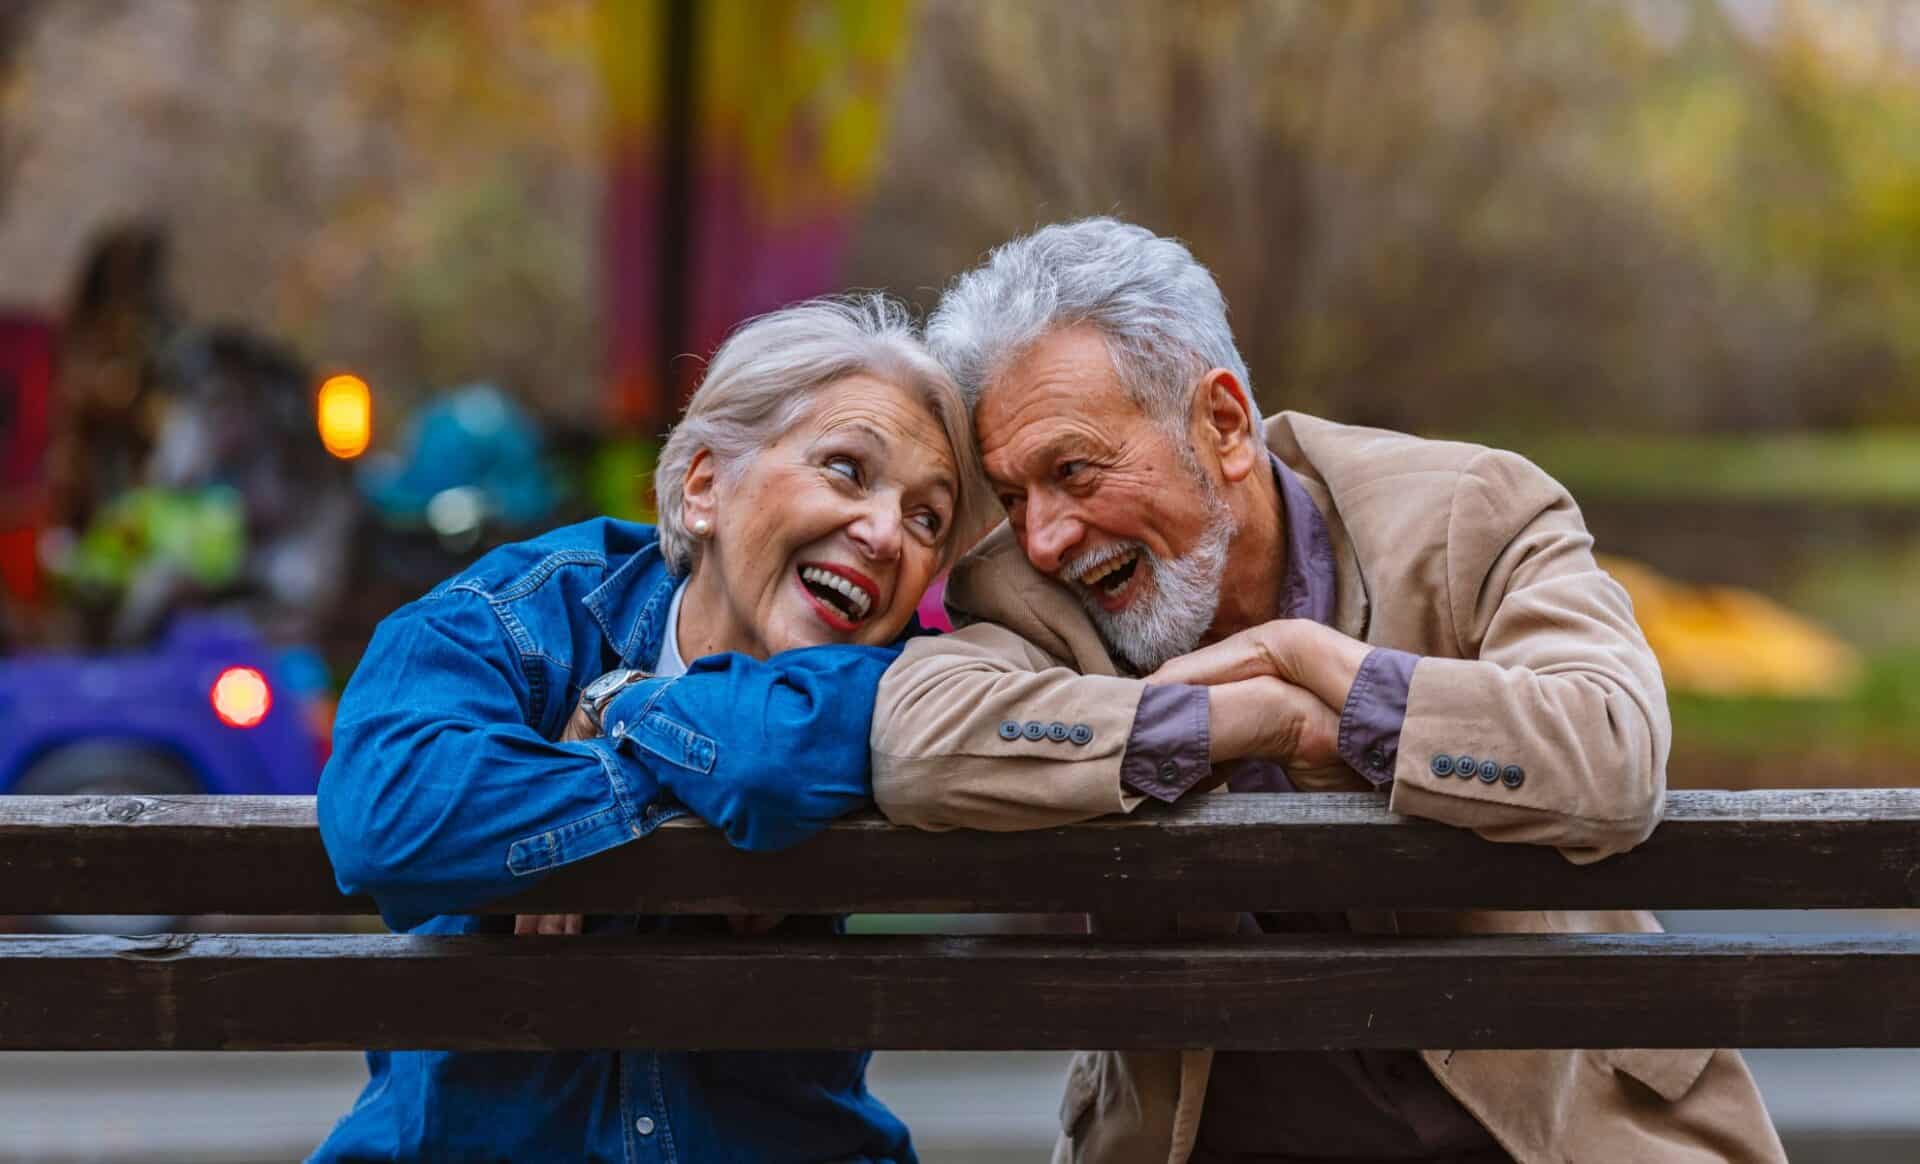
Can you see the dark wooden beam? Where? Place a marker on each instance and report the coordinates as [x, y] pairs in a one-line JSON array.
[[278, 992], [1715, 850]]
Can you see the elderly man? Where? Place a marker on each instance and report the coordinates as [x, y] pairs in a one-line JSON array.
[[1183, 594]]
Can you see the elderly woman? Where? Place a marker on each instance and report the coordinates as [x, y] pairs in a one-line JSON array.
[[568, 694]]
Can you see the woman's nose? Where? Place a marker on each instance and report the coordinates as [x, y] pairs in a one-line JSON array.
[[878, 532]]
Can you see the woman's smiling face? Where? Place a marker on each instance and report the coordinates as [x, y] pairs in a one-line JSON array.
[[829, 535]]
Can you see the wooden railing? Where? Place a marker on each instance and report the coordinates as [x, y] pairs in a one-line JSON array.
[[262, 856]]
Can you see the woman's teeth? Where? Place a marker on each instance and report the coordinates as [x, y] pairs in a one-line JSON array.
[[855, 602]]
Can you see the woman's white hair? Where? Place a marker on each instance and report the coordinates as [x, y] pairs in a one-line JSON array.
[[1158, 308], [763, 380]]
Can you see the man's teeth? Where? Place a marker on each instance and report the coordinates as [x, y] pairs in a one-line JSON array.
[[857, 598], [1092, 577]]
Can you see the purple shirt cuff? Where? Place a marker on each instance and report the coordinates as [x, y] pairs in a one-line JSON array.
[[1376, 711], [1168, 747]]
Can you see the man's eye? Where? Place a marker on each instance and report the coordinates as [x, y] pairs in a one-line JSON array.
[[1068, 469], [845, 466]]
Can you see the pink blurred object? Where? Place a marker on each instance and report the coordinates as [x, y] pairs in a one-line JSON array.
[[933, 606]]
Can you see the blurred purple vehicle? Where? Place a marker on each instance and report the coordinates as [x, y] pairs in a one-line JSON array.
[[210, 708]]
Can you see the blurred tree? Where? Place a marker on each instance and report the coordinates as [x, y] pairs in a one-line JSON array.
[[407, 190], [16, 22], [1446, 216], [1640, 214]]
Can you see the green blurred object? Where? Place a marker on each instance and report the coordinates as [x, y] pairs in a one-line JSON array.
[[1878, 467], [620, 478], [1882, 715], [202, 532]]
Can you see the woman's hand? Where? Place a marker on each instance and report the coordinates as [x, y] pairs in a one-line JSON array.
[[547, 923], [579, 727]]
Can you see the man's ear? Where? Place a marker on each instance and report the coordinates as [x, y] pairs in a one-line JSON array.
[[1223, 424], [699, 491]]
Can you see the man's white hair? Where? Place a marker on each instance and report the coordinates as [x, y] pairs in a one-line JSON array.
[[1158, 308], [764, 378]]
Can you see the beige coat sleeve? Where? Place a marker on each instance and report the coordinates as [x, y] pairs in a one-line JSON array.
[[1558, 704], [981, 729]]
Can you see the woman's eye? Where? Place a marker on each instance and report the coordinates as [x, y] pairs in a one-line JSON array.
[[845, 466], [933, 523]]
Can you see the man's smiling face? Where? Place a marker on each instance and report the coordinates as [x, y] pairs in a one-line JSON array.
[[1104, 498]]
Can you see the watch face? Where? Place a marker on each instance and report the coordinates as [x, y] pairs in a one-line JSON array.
[[605, 685]]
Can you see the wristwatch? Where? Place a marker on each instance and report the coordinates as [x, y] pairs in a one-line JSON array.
[[595, 696]]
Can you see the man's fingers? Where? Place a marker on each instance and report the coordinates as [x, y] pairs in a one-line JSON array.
[[1271, 718], [1227, 661], [1315, 727]]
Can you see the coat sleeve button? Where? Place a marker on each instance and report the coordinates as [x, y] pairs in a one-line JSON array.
[[1514, 776], [1466, 766], [1035, 730], [1489, 771], [1442, 764], [1080, 734], [1057, 732], [1009, 729]]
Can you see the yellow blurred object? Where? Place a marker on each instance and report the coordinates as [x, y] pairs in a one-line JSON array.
[[1721, 640], [346, 416]]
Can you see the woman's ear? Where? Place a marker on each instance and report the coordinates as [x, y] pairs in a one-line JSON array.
[[699, 492], [1223, 424]]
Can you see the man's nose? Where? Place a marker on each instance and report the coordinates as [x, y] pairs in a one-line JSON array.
[[1049, 534]]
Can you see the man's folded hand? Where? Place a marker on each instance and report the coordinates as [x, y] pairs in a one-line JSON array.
[[1271, 719]]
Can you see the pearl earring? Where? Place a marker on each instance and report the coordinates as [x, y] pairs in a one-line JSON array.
[[702, 527]]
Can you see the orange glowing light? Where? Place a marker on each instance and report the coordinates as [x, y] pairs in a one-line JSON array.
[[241, 697], [346, 416]]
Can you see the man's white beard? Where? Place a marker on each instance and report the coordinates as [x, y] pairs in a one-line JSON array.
[[1169, 621]]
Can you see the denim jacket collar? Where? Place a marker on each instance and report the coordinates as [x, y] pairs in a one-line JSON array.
[[631, 606]]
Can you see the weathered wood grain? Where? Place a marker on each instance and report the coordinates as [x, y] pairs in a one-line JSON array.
[[262, 855], [1600, 991]]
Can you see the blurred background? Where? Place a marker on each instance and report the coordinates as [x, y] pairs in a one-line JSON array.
[[304, 303]]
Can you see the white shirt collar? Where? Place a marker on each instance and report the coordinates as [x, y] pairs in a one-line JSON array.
[[670, 663]]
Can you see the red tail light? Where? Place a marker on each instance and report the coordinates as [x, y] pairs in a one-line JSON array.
[[241, 697]]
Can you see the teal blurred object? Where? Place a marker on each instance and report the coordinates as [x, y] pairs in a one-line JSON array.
[[471, 457]]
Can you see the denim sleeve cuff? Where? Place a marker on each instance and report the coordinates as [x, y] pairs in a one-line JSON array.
[[1376, 710], [1168, 747]]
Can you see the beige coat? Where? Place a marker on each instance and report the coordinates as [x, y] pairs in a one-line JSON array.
[[1480, 563]]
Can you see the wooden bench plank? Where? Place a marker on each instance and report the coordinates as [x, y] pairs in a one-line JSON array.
[[1857, 848], [313, 992]]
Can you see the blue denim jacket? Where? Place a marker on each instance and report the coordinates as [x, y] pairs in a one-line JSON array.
[[447, 789]]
